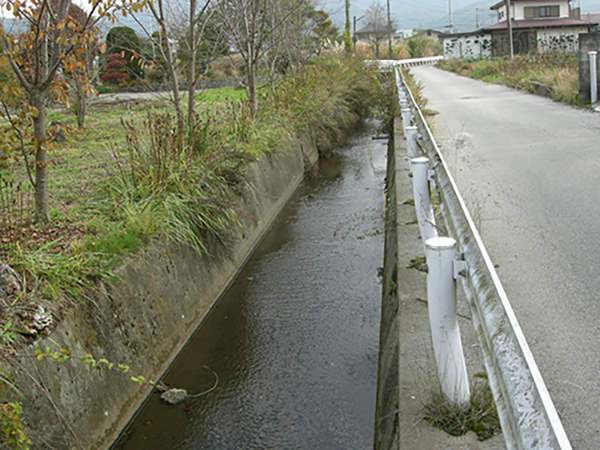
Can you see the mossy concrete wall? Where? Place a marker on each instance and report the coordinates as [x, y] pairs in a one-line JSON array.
[[588, 42], [145, 319], [387, 431]]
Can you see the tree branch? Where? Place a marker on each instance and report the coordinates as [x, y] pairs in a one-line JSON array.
[[20, 135]]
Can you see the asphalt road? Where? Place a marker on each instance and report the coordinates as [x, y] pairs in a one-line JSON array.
[[529, 170]]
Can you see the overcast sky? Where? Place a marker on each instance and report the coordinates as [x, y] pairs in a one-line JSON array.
[[409, 14], [432, 13]]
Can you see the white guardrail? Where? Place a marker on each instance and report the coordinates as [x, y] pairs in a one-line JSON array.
[[430, 61], [389, 64], [528, 416]]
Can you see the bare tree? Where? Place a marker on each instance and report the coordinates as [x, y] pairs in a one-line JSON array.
[[378, 28], [287, 45], [187, 40], [202, 40], [160, 13], [38, 57], [256, 28]]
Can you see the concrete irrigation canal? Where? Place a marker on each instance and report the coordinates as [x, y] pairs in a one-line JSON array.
[[294, 340]]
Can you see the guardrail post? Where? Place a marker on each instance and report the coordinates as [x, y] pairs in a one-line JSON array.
[[593, 77], [406, 117], [443, 319], [422, 195], [411, 140], [403, 100]]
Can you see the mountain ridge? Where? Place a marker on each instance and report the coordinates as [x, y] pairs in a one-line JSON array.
[[432, 14]]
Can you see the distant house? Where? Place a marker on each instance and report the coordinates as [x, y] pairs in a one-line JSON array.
[[373, 33], [476, 44], [591, 18], [537, 25], [433, 34], [404, 34]]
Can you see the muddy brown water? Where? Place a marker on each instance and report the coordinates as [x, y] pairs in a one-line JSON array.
[[295, 339]]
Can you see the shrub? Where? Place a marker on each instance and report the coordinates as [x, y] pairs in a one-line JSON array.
[[124, 41], [115, 71]]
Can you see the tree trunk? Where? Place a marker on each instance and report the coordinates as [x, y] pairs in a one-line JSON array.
[[191, 68], [176, 94], [81, 110], [167, 54], [80, 103], [42, 210], [252, 86]]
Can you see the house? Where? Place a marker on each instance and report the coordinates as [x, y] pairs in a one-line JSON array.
[[407, 34], [433, 34], [592, 18], [476, 44], [404, 34], [374, 33], [537, 26], [376, 36]]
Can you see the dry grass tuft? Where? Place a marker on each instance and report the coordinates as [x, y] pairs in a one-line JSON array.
[[559, 71], [480, 416]]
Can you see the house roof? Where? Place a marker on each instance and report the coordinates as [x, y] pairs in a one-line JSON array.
[[479, 32], [593, 18], [369, 29], [539, 23]]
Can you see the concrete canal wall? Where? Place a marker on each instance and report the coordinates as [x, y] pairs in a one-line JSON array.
[[387, 429], [144, 320]]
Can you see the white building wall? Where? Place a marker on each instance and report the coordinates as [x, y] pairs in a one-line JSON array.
[[478, 46], [559, 40], [502, 12], [519, 8]]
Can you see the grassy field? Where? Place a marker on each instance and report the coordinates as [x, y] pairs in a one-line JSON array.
[[130, 176], [559, 71], [57, 259]]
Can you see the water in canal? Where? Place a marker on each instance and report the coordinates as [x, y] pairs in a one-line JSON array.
[[295, 339]]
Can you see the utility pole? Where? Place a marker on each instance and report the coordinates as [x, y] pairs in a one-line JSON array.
[[347, 37], [354, 36], [450, 26], [389, 14], [477, 18], [510, 34]]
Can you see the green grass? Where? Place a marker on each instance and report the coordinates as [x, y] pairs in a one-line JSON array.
[[230, 94]]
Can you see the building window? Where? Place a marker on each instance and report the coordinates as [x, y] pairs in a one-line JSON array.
[[542, 12]]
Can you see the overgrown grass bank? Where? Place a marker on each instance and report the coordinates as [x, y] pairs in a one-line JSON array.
[[559, 71], [132, 175]]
